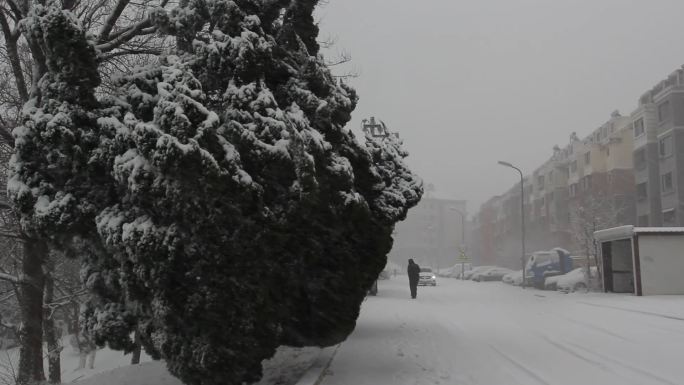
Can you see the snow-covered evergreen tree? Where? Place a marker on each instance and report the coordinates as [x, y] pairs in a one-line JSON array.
[[219, 204], [54, 182]]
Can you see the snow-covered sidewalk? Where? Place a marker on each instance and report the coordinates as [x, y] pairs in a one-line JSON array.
[[495, 334], [113, 368]]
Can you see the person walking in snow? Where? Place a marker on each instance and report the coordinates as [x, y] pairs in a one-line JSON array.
[[413, 274]]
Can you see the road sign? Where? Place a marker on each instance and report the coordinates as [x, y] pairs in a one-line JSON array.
[[463, 259]]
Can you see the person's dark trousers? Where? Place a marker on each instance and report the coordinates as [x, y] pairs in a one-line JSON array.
[[414, 289]]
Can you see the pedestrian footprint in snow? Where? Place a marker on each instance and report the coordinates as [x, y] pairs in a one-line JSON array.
[[413, 274]]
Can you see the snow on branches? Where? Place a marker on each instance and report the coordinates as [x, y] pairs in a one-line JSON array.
[[218, 203]]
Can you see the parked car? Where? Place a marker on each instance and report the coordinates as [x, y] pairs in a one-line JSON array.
[[543, 264], [427, 277], [453, 271], [491, 274], [551, 283], [575, 280], [469, 273], [446, 272], [513, 278]]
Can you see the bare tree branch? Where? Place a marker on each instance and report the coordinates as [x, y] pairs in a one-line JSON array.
[[11, 234], [9, 295], [12, 278], [128, 34], [13, 54], [123, 52], [88, 14], [18, 14], [111, 20], [342, 57], [68, 298]]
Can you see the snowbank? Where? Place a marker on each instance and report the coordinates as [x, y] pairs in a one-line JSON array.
[[148, 373], [105, 360], [113, 368]]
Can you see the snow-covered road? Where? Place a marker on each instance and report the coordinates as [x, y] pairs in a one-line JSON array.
[[493, 334]]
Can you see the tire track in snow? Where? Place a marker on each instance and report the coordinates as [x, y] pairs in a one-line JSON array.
[[588, 360], [520, 366], [575, 354], [664, 329], [632, 368], [633, 311], [597, 328]]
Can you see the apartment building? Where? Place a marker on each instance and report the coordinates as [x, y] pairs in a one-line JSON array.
[[630, 170], [432, 232], [658, 130], [588, 182]]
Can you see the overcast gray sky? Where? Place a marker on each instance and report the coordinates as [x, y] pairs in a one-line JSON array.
[[469, 82]]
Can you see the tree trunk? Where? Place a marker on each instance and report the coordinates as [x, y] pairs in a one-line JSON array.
[[91, 357], [31, 369], [82, 356], [54, 346], [74, 325], [135, 359]]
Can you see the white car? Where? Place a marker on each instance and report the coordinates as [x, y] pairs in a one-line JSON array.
[[551, 283], [453, 271], [427, 277], [513, 278], [447, 272], [469, 273], [574, 280], [492, 274]]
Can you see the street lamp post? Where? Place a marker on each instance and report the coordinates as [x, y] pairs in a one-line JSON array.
[[522, 215]]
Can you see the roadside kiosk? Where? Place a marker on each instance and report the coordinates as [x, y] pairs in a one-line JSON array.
[[642, 260]]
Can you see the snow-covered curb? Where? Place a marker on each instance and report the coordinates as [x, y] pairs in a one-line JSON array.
[[315, 373]]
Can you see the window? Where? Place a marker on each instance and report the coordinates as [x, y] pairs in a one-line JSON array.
[[638, 127], [640, 159], [665, 146], [642, 191], [642, 220], [540, 181], [586, 182], [573, 190], [666, 184], [669, 217], [664, 111], [587, 158], [573, 166]]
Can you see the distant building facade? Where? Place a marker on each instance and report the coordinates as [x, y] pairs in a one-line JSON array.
[[561, 197], [432, 232], [629, 171], [658, 124]]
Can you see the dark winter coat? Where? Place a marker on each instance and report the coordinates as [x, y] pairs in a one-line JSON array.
[[413, 273]]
